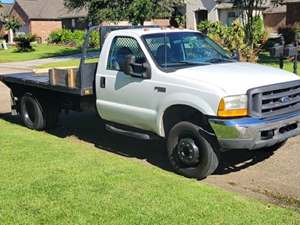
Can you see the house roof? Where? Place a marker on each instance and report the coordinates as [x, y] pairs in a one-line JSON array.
[[230, 5], [276, 9], [5, 9], [292, 1], [46, 9]]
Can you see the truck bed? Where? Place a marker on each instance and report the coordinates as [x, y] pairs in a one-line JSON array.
[[41, 81]]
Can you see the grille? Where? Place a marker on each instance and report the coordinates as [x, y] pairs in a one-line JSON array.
[[274, 99]]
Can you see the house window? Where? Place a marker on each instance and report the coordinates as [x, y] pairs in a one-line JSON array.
[[231, 17], [201, 15]]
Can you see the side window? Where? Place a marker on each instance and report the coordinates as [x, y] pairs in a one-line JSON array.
[[120, 48]]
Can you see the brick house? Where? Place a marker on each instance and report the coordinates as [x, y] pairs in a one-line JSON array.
[[293, 12], [275, 17], [41, 17]]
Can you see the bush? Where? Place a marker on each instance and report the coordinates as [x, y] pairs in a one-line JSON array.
[[77, 38], [73, 38], [55, 37], [95, 40], [260, 35], [232, 38], [67, 37], [24, 42]]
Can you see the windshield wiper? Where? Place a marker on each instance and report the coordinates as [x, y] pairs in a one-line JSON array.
[[194, 63], [185, 63]]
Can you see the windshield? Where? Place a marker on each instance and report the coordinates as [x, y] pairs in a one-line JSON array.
[[171, 50]]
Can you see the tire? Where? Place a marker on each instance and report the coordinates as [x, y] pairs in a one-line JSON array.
[[32, 113], [191, 154]]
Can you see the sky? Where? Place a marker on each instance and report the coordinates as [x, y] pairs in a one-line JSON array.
[[6, 1]]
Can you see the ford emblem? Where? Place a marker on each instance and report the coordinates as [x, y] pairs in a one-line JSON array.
[[284, 99]]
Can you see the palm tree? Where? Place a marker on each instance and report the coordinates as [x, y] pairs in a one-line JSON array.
[[12, 24]]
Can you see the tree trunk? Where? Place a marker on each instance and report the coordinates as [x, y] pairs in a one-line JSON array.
[[11, 36]]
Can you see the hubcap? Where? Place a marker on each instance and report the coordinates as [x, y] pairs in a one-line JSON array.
[[188, 151]]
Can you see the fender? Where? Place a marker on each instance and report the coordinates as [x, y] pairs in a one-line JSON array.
[[182, 99]]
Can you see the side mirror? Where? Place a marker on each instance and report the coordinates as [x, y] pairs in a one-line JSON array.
[[130, 67]]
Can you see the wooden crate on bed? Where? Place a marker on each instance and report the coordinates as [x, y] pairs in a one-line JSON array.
[[64, 77]]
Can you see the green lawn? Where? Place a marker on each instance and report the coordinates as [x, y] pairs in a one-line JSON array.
[[69, 63], [41, 51], [265, 59], [48, 180]]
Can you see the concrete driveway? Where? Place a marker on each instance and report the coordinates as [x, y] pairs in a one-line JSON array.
[[264, 174]]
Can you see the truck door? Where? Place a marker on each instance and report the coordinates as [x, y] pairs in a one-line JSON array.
[[122, 98]]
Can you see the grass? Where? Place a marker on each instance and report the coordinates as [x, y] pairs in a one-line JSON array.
[[68, 63], [48, 180], [41, 51], [264, 58]]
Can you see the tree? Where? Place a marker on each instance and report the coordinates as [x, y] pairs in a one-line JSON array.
[[135, 11], [250, 11], [12, 24]]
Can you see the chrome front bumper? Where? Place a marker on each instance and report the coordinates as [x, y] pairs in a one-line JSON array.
[[254, 133]]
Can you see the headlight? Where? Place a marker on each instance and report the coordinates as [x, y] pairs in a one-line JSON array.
[[233, 106]]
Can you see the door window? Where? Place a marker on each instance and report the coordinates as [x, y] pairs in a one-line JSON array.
[[122, 47]]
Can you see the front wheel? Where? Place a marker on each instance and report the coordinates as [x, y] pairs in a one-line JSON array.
[[190, 154]]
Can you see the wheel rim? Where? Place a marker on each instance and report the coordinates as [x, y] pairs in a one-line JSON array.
[[30, 112], [188, 152]]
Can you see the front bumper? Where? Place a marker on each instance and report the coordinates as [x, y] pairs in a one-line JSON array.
[[255, 133]]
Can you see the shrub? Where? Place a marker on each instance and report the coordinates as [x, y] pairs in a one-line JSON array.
[[215, 30], [94, 40], [260, 35], [24, 42], [73, 38], [67, 37], [55, 37], [233, 38], [77, 38]]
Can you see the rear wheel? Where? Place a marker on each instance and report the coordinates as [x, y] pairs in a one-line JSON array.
[[32, 113], [38, 116], [189, 152]]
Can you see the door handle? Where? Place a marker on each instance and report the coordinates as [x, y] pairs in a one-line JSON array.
[[102, 82]]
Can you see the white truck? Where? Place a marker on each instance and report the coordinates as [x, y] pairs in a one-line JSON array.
[[175, 84]]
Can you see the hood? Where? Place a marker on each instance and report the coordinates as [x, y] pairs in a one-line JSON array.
[[235, 78]]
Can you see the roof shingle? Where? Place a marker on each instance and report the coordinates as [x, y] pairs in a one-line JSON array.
[[5, 10], [46, 9]]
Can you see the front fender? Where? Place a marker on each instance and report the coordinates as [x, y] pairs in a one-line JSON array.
[[190, 100]]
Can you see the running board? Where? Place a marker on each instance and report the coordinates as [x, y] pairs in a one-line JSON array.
[[128, 133]]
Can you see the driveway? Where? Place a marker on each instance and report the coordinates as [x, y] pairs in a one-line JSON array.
[[263, 174]]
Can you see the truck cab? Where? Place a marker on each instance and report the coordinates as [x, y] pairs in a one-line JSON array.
[[181, 86]]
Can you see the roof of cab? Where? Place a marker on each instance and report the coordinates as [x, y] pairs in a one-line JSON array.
[[144, 31]]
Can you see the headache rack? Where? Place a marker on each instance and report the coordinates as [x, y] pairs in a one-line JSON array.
[[275, 99]]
